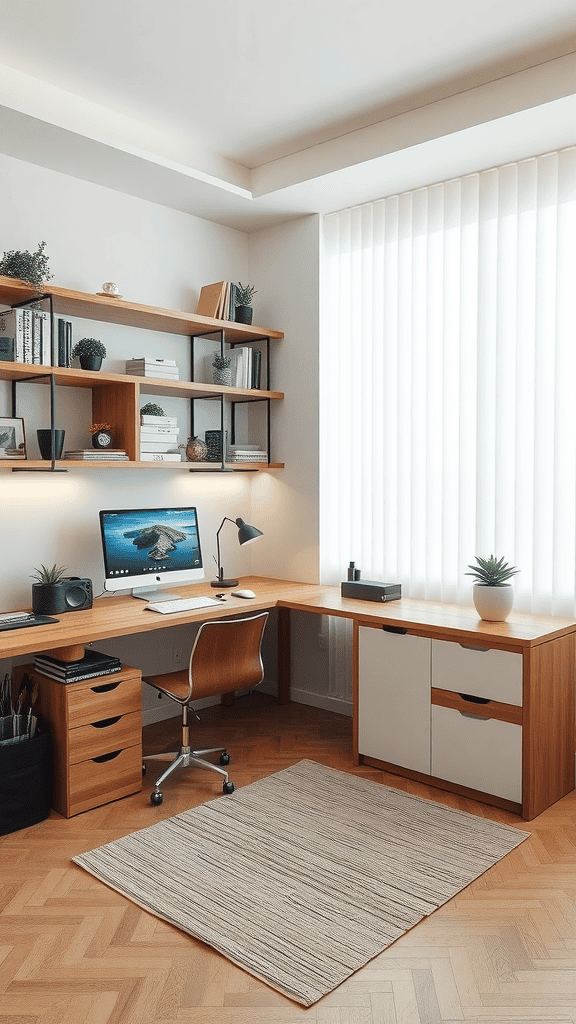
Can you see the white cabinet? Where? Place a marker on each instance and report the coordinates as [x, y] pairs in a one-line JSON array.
[[394, 698]]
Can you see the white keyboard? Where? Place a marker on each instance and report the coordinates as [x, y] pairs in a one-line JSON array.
[[184, 604]]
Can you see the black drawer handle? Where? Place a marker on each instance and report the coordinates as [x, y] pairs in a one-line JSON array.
[[106, 757], [105, 688], [472, 647], [477, 718], [106, 722], [395, 629], [474, 700]]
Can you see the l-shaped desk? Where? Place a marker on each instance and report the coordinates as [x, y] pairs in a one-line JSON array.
[[484, 709]]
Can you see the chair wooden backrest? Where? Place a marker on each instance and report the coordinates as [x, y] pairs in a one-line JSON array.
[[226, 656]]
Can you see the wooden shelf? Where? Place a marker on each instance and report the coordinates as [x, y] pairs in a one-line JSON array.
[[131, 314], [194, 467], [116, 397]]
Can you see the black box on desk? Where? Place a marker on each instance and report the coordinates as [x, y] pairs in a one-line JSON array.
[[371, 590]]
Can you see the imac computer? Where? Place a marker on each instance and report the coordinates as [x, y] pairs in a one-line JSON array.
[[147, 549]]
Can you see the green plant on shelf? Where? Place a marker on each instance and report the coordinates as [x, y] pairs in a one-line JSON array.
[[244, 294], [491, 572], [30, 267], [53, 575], [89, 347], [151, 409]]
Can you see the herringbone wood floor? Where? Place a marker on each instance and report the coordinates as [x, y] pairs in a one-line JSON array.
[[74, 952]]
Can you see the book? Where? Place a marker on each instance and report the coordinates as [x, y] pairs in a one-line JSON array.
[[145, 361], [11, 335], [159, 421], [156, 446], [102, 454], [79, 676], [91, 659], [210, 299], [158, 432], [160, 457], [64, 342]]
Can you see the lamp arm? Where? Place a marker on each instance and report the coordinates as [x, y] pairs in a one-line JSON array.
[[225, 520]]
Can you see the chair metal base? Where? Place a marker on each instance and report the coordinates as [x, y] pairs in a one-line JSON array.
[[187, 758]]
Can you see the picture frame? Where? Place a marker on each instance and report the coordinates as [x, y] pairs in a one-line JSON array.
[[12, 438]]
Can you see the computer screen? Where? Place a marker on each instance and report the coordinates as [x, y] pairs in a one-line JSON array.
[[146, 549]]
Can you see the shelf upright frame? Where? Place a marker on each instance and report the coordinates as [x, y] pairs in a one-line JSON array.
[[41, 297]]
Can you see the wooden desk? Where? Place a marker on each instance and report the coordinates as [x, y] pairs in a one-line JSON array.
[[541, 707]]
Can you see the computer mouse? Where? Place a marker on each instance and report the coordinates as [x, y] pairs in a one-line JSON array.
[[243, 593]]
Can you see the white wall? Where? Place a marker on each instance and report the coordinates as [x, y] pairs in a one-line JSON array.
[[284, 264]]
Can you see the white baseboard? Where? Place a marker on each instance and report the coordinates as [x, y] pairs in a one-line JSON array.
[[167, 709]]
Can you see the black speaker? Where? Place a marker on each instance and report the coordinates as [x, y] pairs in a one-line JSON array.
[[68, 595]]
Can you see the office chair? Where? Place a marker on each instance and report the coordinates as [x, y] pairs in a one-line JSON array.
[[226, 656]]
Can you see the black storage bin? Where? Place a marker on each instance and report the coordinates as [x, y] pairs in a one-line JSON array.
[[25, 782]]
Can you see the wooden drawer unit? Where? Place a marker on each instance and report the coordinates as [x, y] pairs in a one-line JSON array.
[[96, 728]]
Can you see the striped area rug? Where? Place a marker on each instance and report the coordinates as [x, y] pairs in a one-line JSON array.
[[303, 877]]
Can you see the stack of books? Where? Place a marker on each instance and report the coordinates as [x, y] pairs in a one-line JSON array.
[[107, 454], [12, 453], [90, 666], [245, 365], [161, 369], [246, 453], [26, 336], [158, 439], [218, 300]]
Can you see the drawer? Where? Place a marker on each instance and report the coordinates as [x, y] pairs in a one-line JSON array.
[[494, 674], [96, 782], [104, 697], [103, 736], [480, 753]]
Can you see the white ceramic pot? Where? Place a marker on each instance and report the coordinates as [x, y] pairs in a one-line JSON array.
[[493, 603]]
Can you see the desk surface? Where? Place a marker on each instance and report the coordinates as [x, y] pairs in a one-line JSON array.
[[123, 616]]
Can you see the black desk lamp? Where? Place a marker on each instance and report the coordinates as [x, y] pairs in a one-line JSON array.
[[246, 534]]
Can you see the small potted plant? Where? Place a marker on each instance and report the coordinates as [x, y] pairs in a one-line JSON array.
[[46, 592], [30, 267], [222, 372], [493, 596], [90, 352], [243, 301], [151, 409]]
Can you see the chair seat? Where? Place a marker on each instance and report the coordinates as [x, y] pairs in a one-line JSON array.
[[175, 685]]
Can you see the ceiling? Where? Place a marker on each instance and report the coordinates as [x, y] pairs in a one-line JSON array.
[[248, 112]]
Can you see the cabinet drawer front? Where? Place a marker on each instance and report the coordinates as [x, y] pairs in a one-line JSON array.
[[480, 753], [394, 698], [494, 674], [101, 737], [93, 783], [102, 698]]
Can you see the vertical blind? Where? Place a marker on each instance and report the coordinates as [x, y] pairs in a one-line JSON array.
[[447, 402]]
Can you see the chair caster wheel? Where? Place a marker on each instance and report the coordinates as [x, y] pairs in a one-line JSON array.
[[156, 797], [228, 787], [224, 758]]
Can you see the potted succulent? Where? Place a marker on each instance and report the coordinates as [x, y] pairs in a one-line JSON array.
[[90, 352], [243, 302], [222, 372], [493, 596], [151, 409], [30, 267], [46, 592]]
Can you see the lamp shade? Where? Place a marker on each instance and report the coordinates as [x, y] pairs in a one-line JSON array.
[[246, 533]]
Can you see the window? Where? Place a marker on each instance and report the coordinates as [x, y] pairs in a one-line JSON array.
[[447, 362]]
